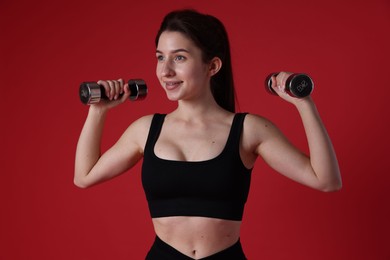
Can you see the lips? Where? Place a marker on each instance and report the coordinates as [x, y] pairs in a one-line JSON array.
[[170, 85]]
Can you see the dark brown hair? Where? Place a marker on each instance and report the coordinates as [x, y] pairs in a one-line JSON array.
[[209, 34]]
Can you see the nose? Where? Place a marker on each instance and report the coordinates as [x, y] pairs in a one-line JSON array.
[[166, 69]]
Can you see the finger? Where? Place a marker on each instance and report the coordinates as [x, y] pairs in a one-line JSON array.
[[284, 77], [273, 82], [106, 86], [121, 84], [281, 81], [111, 83], [126, 92], [117, 89], [276, 85]]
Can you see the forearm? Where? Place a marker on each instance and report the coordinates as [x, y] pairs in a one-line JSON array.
[[323, 160], [88, 146]]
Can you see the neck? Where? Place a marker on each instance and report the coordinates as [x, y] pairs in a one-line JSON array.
[[191, 110]]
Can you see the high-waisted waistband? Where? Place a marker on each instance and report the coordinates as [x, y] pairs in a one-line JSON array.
[[162, 251]]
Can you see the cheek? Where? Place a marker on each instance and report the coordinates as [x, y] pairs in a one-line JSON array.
[[199, 73], [158, 70]]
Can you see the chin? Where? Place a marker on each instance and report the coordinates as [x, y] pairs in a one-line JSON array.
[[174, 95]]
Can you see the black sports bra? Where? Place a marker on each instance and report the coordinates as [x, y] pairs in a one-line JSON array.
[[216, 188]]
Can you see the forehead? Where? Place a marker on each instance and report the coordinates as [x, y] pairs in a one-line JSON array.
[[170, 41]]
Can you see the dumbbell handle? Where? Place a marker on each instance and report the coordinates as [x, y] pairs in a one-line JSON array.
[[297, 85], [91, 92]]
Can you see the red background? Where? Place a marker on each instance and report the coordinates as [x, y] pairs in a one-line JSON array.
[[49, 47]]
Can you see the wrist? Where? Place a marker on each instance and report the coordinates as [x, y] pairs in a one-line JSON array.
[[305, 104], [96, 110]]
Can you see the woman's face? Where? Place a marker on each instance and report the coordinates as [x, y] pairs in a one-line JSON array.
[[180, 68]]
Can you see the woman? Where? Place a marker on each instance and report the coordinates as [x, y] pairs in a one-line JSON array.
[[197, 160]]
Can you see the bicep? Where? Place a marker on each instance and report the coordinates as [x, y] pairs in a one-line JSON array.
[[115, 161], [122, 156], [282, 156]]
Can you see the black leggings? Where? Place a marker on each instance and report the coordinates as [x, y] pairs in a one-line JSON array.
[[162, 251]]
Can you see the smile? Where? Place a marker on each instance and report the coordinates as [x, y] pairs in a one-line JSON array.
[[170, 85]]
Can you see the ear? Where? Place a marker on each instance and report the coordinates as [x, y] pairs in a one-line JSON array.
[[214, 66]]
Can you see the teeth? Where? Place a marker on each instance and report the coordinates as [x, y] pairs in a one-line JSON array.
[[171, 83]]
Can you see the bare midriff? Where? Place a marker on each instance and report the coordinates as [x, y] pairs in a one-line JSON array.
[[197, 237]]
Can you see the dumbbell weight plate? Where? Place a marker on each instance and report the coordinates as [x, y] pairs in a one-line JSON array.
[[297, 85], [300, 85], [91, 92]]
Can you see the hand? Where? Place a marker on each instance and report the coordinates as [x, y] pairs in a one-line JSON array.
[[279, 86], [116, 91]]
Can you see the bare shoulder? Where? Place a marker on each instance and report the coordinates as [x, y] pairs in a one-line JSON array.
[[142, 122], [137, 132], [257, 123], [140, 126], [258, 129]]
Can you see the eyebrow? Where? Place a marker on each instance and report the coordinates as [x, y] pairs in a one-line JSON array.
[[175, 51]]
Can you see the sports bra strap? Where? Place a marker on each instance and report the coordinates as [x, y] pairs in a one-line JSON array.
[[154, 132], [233, 142]]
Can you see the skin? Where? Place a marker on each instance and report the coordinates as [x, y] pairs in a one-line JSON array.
[[197, 130]]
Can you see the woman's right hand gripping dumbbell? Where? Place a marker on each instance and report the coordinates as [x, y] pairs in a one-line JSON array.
[[116, 92]]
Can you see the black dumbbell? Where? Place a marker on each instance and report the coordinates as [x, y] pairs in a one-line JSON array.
[[297, 85], [91, 92]]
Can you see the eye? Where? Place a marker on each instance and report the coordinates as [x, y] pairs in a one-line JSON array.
[[179, 58], [159, 57]]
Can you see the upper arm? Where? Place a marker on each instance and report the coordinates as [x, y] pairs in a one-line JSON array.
[[267, 141], [123, 155]]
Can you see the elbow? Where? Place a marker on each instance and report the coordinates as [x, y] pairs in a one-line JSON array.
[[79, 183], [332, 182], [332, 187]]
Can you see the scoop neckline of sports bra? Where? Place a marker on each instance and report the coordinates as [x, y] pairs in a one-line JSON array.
[[228, 140]]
